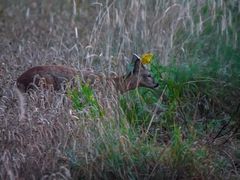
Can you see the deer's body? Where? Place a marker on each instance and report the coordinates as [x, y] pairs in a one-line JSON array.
[[55, 76]]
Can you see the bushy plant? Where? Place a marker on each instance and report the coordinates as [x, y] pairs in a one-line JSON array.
[[84, 102]]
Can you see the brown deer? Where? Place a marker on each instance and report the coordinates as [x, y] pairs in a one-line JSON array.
[[57, 76]]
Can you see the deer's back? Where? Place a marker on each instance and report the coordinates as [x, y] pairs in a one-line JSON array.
[[51, 75]]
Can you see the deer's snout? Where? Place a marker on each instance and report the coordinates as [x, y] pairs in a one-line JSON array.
[[156, 85]]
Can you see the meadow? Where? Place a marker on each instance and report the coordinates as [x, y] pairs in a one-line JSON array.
[[187, 128]]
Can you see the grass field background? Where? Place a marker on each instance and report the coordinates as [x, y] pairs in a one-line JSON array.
[[188, 128]]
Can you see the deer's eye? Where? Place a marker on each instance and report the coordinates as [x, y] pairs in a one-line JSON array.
[[147, 76]]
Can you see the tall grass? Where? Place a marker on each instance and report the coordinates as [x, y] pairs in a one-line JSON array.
[[187, 128]]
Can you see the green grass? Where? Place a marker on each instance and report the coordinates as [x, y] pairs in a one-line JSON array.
[[200, 87], [84, 102], [187, 128]]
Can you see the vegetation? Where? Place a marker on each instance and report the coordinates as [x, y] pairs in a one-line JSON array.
[[188, 128]]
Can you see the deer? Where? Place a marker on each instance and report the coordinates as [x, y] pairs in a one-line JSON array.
[[56, 77]]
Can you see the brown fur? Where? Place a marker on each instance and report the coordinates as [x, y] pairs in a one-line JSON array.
[[52, 76]]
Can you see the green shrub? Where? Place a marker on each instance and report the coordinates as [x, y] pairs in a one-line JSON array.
[[83, 101]]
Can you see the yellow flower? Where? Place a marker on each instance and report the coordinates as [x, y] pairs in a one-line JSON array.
[[146, 58]]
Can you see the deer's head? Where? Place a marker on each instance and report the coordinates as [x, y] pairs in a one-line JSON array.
[[139, 76]]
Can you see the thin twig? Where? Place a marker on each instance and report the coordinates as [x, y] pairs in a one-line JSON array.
[[155, 110]]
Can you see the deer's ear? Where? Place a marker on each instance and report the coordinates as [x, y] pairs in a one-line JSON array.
[[134, 66], [137, 63], [135, 58]]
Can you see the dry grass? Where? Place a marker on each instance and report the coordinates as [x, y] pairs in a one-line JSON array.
[[43, 137]]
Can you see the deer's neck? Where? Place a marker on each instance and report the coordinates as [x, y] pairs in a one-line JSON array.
[[122, 84]]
